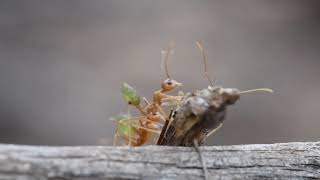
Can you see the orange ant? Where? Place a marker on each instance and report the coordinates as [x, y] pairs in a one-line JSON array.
[[137, 135]]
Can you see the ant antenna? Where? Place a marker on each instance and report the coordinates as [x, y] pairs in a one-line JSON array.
[[257, 90], [167, 51], [206, 74]]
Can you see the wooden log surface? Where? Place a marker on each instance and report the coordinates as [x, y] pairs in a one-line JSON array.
[[258, 161]]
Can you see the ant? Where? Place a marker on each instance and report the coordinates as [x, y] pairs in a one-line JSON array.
[[152, 113]]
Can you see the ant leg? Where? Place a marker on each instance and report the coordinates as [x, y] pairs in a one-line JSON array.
[[130, 135], [147, 129], [146, 101], [164, 129], [171, 98], [139, 119], [115, 139], [142, 126], [133, 140], [211, 132], [175, 99], [142, 118], [162, 112], [129, 115], [141, 109], [204, 167]]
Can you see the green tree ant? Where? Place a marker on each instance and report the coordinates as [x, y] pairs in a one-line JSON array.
[[137, 134]]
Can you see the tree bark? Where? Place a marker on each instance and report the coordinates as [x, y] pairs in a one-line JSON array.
[[260, 161]]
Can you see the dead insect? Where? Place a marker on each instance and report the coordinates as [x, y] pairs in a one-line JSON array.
[[200, 113]]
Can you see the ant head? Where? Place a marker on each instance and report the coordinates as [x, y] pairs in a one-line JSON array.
[[170, 84]]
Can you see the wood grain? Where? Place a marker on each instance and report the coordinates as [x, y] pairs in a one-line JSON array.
[[259, 161]]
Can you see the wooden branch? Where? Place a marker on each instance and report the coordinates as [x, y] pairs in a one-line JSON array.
[[261, 161]]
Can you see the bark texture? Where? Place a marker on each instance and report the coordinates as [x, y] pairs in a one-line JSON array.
[[260, 161]]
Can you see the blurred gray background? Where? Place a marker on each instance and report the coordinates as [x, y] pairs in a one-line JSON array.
[[62, 64]]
